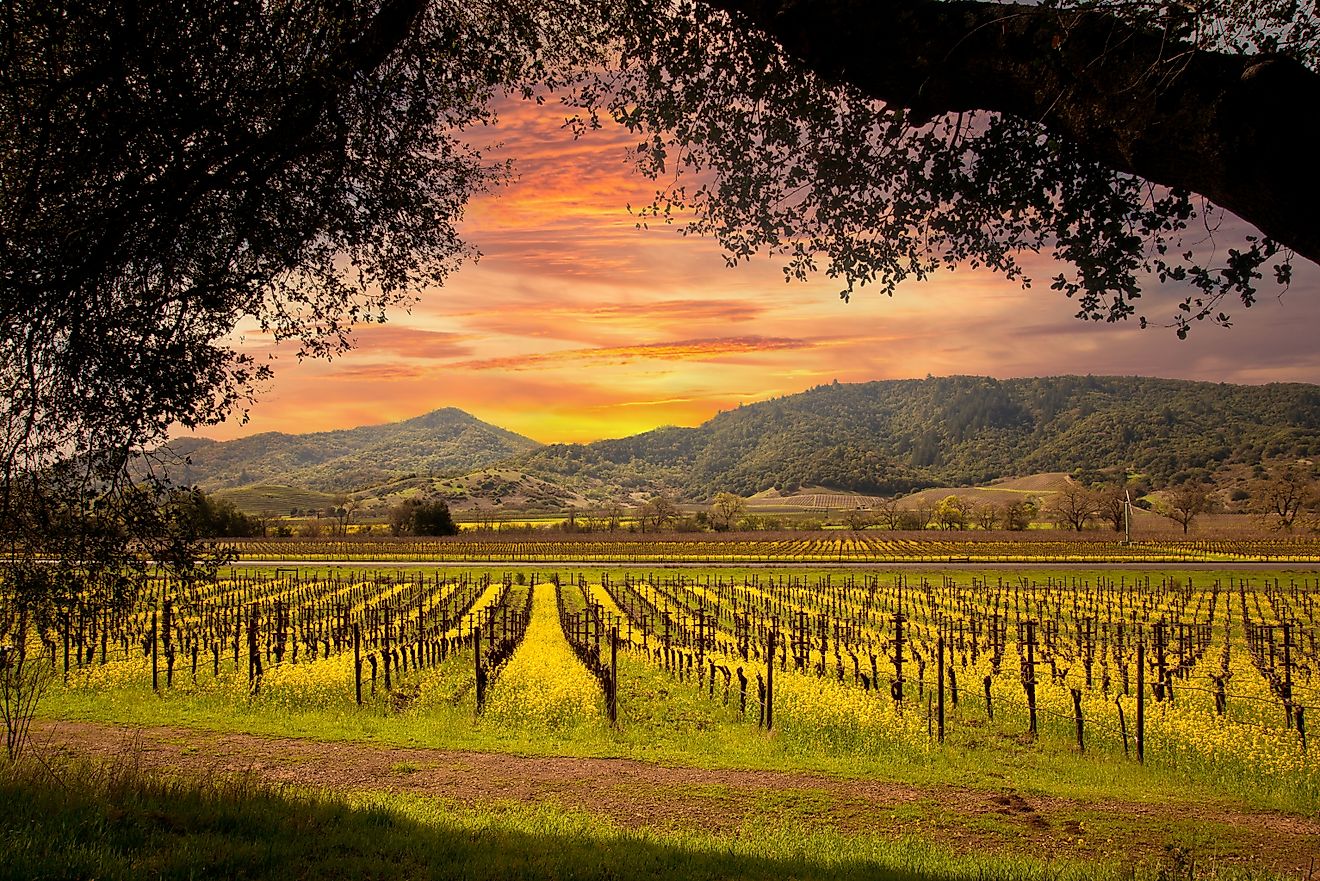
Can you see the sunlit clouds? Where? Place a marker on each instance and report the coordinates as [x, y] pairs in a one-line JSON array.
[[577, 325]]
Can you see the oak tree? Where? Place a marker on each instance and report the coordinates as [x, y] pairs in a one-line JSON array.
[[726, 508], [882, 141], [1184, 503], [1074, 506], [1285, 493]]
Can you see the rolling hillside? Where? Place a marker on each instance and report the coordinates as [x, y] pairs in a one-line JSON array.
[[447, 441], [897, 436], [876, 438]]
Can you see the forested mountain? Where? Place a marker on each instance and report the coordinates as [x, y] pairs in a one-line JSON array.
[[441, 442], [893, 436], [875, 437]]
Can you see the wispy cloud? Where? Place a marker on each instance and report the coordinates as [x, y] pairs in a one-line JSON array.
[[402, 341], [681, 350], [386, 372], [576, 325]]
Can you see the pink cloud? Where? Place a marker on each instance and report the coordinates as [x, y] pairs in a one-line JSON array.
[[577, 325], [399, 340], [680, 350]]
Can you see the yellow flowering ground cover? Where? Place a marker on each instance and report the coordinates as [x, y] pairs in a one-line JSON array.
[[544, 686], [841, 716]]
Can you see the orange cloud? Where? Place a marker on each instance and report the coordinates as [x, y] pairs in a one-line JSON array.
[[680, 350], [576, 325], [410, 342], [387, 372]]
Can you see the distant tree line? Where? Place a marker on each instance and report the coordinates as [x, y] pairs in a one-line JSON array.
[[418, 517], [209, 517]]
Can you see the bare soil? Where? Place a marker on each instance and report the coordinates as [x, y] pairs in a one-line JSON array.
[[638, 794]]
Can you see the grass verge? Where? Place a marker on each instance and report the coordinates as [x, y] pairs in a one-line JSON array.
[[118, 821]]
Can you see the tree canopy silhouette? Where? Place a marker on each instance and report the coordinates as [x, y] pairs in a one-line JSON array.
[[175, 174], [881, 141]]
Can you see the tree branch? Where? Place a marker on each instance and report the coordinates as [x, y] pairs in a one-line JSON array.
[[1237, 129]]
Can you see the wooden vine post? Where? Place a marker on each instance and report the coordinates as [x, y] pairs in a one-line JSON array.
[[167, 623], [1029, 675], [155, 667], [939, 703], [770, 680], [1287, 673], [1141, 697], [357, 661], [898, 659], [480, 673], [1122, 724], [385, 655], [254, 653], [614, 676], [1077, 717]]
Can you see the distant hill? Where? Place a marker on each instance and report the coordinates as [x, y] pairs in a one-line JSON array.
[[897, 436], [447, 441], [875, 438]]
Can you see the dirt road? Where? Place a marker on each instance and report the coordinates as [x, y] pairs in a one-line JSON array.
[[633, 793]]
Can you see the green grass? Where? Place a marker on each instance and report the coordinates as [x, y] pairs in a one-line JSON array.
[[120, 822], [665, 721]]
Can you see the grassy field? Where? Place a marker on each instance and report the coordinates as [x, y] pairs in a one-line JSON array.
[[124, 822]]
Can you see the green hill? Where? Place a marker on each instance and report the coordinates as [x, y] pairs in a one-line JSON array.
[[447, 441], [895, 436], [876, 438]]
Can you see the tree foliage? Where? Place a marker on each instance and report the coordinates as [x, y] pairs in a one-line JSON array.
[[658, 513], [173, 176], [1073, 507], [950, 513], [1019, 514], [726, 509], [293, 168], [882, 142], [208, 517], [1112, 504], [1184, 503], [1282, 496], [418, 517]]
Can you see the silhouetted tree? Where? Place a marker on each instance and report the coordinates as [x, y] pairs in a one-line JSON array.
[[1285, 493], [1184, 503], [417, 517], [1073, 506]]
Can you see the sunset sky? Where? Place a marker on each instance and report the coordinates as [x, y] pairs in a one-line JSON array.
[[575, 325]]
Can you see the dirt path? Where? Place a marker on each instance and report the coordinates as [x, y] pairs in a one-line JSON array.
[[633, 793]]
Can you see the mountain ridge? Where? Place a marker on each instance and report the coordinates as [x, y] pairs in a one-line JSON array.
[[881, 437], [893, 436], [341, 460]]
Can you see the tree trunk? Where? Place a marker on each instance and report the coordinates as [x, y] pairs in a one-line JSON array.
[[1233, 128]]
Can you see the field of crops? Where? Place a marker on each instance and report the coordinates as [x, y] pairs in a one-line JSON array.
[[1209, 675], [783, 549]]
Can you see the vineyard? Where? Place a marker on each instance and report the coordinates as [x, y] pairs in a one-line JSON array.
[[1207, 676], [781, 549]]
